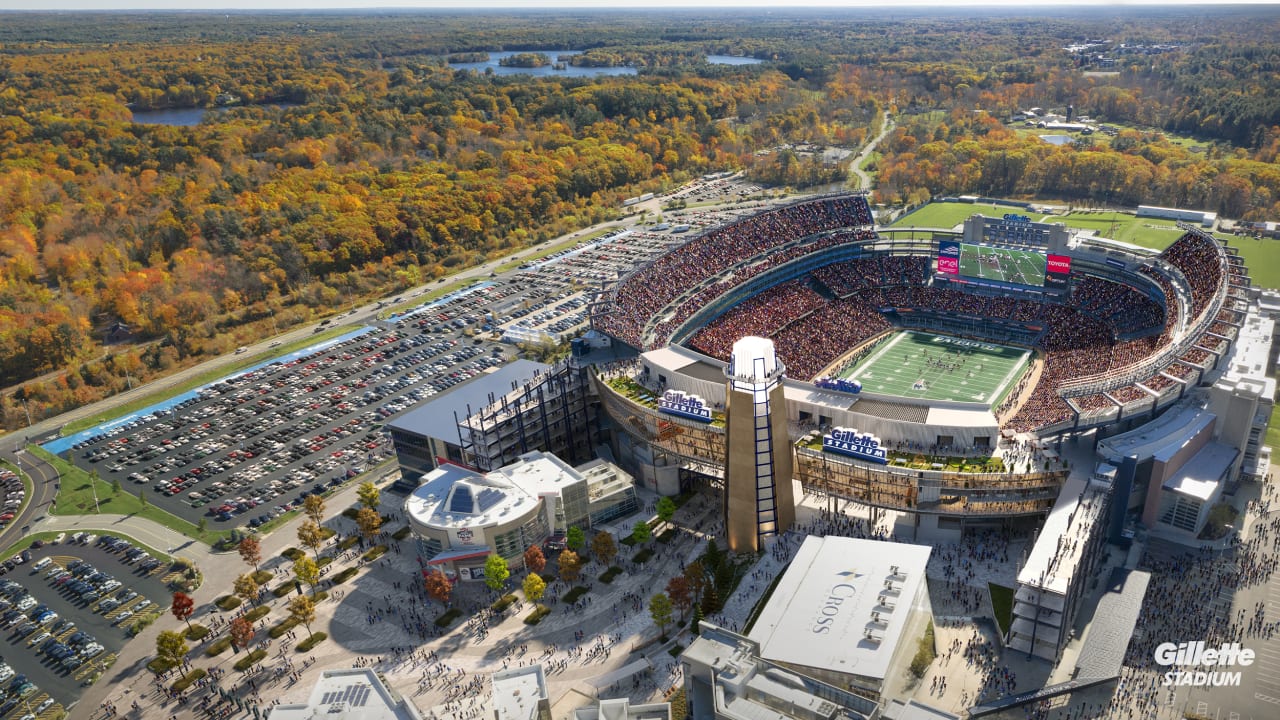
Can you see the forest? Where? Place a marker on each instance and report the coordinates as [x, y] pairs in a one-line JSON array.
[[342, 158]]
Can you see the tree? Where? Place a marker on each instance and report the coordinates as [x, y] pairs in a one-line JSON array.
[[183, 606], [438, 586], [697, 577], [534, 560], [574, 539], [303, 609], [313, 507], [496, 572], [603, 547], [115, 486], [250, 551], [306, 570], [203, 525], [370, 523], [171, 646], [660, 611], [246, 588], [570, 566], [680, 594], [311, 536], [666, 509], [641, 532], [142, 498], [534, 587], [369, 495], [241, 632]]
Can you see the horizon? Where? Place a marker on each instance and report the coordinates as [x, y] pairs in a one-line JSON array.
[[304, 6]]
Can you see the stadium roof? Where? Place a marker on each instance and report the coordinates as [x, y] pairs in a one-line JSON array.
[[517, 692], [1160, 438], [353, 694], [1051, 564], [1113, 624], [1202, 474], [435, 418], [829, 598]]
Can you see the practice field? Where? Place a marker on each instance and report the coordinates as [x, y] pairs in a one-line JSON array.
[[940, 367], [1154, 233], [950, 214], [1002, 264]]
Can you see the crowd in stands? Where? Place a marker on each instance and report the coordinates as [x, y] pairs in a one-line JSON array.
[[1199, 259], [1159, 382], [809, 345], [1078, 337], [761, 315], [709, 255], [1127, 309], [1091, 403]]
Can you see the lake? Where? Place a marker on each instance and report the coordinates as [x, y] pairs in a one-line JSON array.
[[186, 117], [732, 60], [546, 70]]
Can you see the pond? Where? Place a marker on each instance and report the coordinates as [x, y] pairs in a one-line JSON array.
[[186, 117], [495, 58], [732, 60]]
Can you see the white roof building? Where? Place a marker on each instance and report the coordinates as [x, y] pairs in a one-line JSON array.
[[844, 609], [353, 694]]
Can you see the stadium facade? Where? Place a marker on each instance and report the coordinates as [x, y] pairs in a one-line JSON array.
[[1121, 340]]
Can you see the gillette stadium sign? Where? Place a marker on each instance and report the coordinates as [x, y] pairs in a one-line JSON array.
[[851, 443], [675, 402]]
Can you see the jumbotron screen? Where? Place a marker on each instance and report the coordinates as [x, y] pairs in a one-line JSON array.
[[1003, 265]]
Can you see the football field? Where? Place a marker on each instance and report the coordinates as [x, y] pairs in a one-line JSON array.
[[940, 367], [1002, 264]]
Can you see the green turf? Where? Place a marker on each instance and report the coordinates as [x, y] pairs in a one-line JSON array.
[[949, 214], [1154, 233], [1260, 257], [896, 364], [1002, 605]]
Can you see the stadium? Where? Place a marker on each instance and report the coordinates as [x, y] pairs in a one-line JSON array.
[[950, 349]]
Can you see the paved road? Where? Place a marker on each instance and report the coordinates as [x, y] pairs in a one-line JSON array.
[[864, 180]]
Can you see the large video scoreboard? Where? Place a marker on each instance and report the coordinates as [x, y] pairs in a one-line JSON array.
[[1005, 252]]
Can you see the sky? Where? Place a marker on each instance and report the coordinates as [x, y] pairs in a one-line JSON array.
[[63, 5]]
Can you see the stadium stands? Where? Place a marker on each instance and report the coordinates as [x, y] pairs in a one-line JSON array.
[[1078, 336]]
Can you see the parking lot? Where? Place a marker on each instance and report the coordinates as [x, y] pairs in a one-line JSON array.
[[64, 610], [250, 447]]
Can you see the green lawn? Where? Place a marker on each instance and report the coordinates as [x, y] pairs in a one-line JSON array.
[[200, 379], [1260, 257], [76, 497], [1154, 233], [949, 214], [1002, 605]]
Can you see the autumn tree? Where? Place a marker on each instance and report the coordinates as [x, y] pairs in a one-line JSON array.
[[183, 607], [534, 560], [302, 609], [313, 507], [680, 594], [246, 588], [496, 572], [172, 647], [369, 522], [369, 495], [534, 587], [311, 536], [438, 586], [250, 551], [306, 570], [696, 576], [241, 632], [603, 547], [570, 566]]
